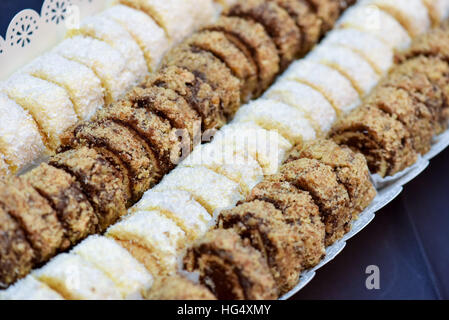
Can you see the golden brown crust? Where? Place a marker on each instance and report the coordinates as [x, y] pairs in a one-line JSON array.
[[177, 287], [197, 92], [276, 21], [263, 226], [331, 197], [65, 195], [437, 73], [384, 141], [99, 179], [123, 142], [231, 270], [156, 132], [34, 215], [210, 69], [259, 43], [435, 43], [350, 168], [307, 21], [230, 54], [328, 11], [16, 254], [413, 114]]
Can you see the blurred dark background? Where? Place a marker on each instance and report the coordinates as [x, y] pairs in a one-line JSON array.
[[408, 240]]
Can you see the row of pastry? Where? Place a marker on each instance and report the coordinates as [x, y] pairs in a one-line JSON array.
[[409, 106], [181, 207], [106, 164], [107, 55]]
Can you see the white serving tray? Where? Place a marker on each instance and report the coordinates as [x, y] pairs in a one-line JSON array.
[[388, 189]]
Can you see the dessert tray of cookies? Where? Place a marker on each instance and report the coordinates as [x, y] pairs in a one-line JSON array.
[[200, 149]]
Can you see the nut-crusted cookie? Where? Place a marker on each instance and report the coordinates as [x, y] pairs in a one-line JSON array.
[[16, 254], [384, 141], [65, 195], [328, 11], [197, 92], [231, 270], [135, 154], [100, 181], [230, 54], [35, 216], [435, 43], [156, 131], [263, 226], [331, 197], [307, 21], [254, 37], [436, 71], [167, 104], [350, 167], [276, 21], [211, 70], [299, 212], [177, 287], [413, 114]]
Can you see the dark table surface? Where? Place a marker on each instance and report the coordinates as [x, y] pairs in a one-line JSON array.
[[408, 240]]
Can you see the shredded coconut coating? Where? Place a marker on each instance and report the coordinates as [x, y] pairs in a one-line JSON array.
[[106, 29], [264, 227], [253, 36], [299, 212], [411, 14], [213, 191], [352, 65], [229, 268], [173, 16], [374, 21], [332, 84], [179, 206], [315, 107], [327, 192], [267, 147], [107, 63], [290, 122], [65, 195], [83, 86], [76, 279], [4, 168], [204, 12], [233, 164], [160, 236], [17, 257], [130, 277], [177, 287], [149, 36], [20, 139], [276, 21], [48, 104], [30, 288], [438, 10], [35, 216], [376, 52]]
